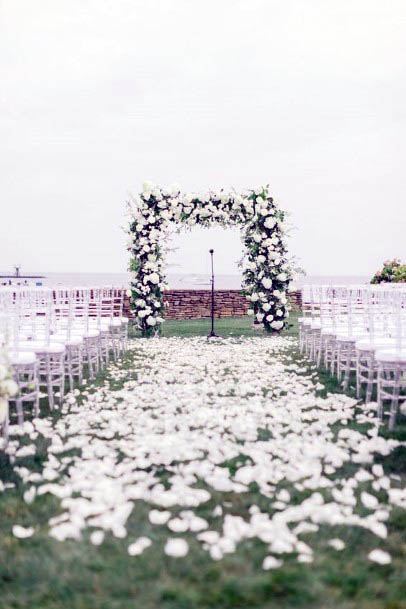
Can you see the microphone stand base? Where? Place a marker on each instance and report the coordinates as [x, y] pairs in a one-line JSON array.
[[213, 335]]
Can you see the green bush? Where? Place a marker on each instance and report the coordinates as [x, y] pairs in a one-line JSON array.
[[393, 272]]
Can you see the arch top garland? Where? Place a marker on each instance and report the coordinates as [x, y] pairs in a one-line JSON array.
[[266, 271]]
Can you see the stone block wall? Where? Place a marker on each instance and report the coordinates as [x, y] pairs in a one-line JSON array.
[[193, 304]]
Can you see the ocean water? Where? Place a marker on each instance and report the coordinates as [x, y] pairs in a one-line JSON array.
[[186, 281]]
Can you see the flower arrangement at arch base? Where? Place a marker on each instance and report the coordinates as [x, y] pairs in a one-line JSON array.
[[266, 270]]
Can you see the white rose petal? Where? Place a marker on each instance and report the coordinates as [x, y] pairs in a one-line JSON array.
[[158, 516], [137, 548], [270, 562], [22, 532], [337, 544], [380, 556], [176, 547]]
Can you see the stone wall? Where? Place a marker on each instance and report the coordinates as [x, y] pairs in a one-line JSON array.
[[192, 304]]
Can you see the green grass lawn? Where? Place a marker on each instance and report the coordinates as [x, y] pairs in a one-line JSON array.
[[41, 573], [226, 326]]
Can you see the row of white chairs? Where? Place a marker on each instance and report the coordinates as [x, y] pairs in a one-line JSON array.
[[51, 335], [358, 334]]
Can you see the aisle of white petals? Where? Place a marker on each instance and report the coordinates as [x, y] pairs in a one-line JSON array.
[[188, 406]]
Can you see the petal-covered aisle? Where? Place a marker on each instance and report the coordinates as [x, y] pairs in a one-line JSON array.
[[186, 423]]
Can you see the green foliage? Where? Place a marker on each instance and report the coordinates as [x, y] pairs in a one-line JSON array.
[[393, 271]]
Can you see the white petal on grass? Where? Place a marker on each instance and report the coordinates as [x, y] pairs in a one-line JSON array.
[[270, 562], [159, 517], [137, 548], [370, 501], [306, 558], [178, 525], [29, 495], [97, 538], [22, 532], [176, 547], [380, 556], [337, 544]]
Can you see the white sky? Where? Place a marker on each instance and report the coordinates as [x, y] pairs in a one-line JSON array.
[[98, 95]]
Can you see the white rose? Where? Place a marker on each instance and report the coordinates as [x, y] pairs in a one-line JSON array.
[[277, 325], [282, 277], [260, 316], [261, 259], [267, 283], [266, 306], [257, 238], [279, 313], [270, 222], [269, 318], [151, 321], [154, 278], [250, 312], [254, 297], [142, 313]]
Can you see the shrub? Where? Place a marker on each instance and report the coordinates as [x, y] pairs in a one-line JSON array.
[[393, 272]]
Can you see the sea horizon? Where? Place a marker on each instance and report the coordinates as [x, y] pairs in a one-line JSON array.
[[187, 281]]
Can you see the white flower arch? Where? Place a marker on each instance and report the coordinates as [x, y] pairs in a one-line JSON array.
[[266, 270]]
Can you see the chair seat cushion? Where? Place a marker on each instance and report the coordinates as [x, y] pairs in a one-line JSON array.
[[346, 338], [73, 341], [391, 356], [91, 334], [366, 344], [38, 347], [22, 358]]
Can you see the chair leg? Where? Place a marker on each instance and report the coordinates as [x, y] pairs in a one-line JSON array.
[[370, 382], [20, 413], [70, 370], [50, 388], [380, 396], [395, 399], [347, 370], [358, 376]]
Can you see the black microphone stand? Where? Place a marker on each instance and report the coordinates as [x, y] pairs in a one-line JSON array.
[[212, 333]]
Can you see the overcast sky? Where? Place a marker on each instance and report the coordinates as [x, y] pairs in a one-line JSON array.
[[98, 95]]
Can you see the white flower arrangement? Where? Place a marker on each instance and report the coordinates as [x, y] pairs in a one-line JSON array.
[[266, 270]]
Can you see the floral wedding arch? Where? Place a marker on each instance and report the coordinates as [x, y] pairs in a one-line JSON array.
[[266, 271]]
